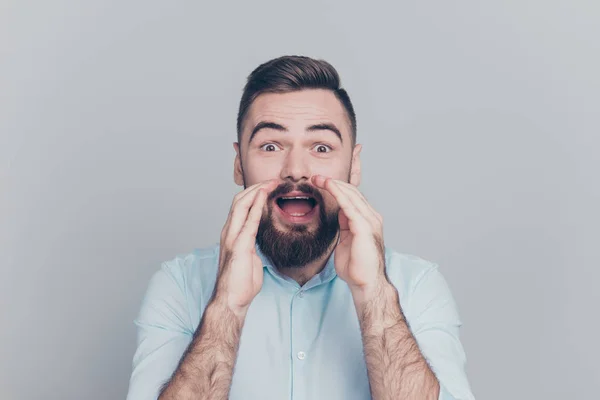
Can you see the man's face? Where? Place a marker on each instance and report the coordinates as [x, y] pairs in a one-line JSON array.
[[291, 137]]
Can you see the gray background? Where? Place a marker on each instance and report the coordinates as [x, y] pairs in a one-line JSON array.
[[480, 125]]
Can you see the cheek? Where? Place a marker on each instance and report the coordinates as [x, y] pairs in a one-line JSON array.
[[336, 169], [261, 170]]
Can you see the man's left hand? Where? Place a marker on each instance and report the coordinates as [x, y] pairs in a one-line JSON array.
[[359, 255]]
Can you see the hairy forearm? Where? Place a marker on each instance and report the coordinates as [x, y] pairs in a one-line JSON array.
[[206, 368], [395, 364]]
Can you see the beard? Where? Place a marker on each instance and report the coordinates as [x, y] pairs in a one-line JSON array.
[[298, 245]]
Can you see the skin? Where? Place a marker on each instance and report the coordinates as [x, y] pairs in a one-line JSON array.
[[396, 367], [297, 154]]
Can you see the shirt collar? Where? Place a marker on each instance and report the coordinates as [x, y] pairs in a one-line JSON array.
[[326, 274]]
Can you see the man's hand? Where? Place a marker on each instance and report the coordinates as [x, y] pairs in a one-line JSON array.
[[396, 367], [240, 273], [206, 368], [359, 255]]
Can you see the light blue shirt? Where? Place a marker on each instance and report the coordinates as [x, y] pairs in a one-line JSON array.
[[297, 343]]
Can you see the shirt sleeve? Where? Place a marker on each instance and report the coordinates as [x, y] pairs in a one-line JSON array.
[[435, 324], [163, 333]]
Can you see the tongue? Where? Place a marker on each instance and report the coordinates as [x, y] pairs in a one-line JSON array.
[[296, 206]]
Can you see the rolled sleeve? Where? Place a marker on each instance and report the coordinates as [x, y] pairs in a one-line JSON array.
[[435, 324], [163, 333]]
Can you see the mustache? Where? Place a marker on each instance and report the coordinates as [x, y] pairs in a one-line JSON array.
[[288, 187]]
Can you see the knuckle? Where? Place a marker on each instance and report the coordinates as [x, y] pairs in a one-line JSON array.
[[237, 198], [229, 242], [224, 236], [234, 213], [241, 194], [237, 211]]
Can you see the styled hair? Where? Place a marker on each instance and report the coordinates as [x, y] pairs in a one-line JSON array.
[[289, 74]]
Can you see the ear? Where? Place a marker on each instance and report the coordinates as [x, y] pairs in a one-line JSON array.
[[238, 175], [355, 170]]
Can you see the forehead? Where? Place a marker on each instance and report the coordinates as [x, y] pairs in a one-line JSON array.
[[298, 109]]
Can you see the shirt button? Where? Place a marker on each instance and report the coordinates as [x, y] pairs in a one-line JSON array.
[[301, 294], [301, 355]]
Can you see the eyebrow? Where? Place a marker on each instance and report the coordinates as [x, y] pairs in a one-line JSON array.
[[324, 126]]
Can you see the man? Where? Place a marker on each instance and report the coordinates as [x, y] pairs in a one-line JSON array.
[[301, 299]]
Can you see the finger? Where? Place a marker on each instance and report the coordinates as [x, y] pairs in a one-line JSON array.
[[253, 188], [240, 211], [356, 219], [360, 202], [357, 198], [240, 207], [236, 198], [362, 196], [247, 236], [248, 191]]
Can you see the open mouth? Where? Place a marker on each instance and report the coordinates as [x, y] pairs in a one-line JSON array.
[[296, 205]]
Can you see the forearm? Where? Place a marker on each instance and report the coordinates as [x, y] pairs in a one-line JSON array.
[[206, 368], [396, 366]]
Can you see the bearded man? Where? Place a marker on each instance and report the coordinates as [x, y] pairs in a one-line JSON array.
[[300, 299]]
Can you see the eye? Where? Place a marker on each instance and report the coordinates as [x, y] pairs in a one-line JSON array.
[[322, 148], [269, 147]]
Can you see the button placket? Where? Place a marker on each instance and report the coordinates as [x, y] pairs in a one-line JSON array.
[[298, 345]]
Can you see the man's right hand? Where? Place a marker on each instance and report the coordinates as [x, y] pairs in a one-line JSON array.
[[240, 273], [206, 368]]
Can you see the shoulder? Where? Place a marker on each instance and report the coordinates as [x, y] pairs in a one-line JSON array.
[[405, 267], [197, 262], [182, 287], [420, 285], [193, 273], [407, 271], [199, 257]]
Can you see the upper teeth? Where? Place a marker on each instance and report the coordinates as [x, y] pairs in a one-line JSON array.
[[296, 197]]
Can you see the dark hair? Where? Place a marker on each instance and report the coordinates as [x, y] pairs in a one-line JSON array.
[[291, 73]]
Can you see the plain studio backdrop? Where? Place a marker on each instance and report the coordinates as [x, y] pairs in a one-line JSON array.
[[480, 125]]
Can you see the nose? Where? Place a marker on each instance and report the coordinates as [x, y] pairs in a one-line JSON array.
[[296, 167]]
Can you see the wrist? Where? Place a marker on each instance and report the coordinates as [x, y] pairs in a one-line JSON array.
[[222, 305], [378, 308], [372, 291]]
